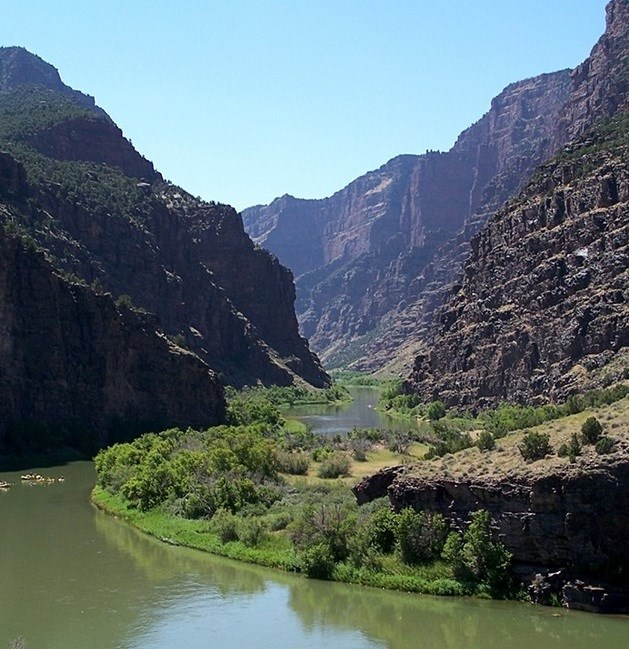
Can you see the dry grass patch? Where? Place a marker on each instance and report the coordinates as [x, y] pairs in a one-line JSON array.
[[506, 459]]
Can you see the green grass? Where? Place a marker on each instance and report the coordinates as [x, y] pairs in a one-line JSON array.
[[294, 426], [275, 552]]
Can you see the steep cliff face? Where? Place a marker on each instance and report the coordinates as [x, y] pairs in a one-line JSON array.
[[72, 187], [75, 370], [544, 294], [117, 225], [543, 299], [93, 140], [360, 256], [600, 83], [19, 67], [369, 301]]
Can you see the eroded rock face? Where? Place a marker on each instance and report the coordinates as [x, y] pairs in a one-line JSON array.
[[544, 294], [600, 83], [18, 66], [187, 261], [93, 140], [375, 262], [81, 371], [364, 254]]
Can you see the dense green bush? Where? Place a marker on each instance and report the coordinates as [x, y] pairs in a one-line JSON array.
[[246, 408], [436, 410], [381, 529], [449, 439], [591, 430], [223, 468], [317, 561], [571, 450], [251, 531], [329, 523], [574, 448], [507, 417], [420, 536], [293, 463], [476, 557], [225, 525], [535, 446]]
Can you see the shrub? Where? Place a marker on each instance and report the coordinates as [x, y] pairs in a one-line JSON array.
[[293, 463], [591, 430], [535, 446], [334, 466], [604, 445], [359, 449], [224, 524], [124, 301], [330, 524], [398, 441], [380, 529], [420, 536], [317, 561], [574, 448], [436, 410], [251, 531], [476, 557], [486, 441]]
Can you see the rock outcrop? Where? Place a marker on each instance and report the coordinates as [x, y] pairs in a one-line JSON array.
[[543, 300], [552, 514], [93, 140], [19, 67], [375, 262], [543, 297]]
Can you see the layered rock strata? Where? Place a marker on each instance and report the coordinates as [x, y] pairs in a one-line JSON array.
[[367, 252], [552, 515], [375, 262]]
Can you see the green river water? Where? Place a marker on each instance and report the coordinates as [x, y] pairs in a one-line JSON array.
[[72, 577]]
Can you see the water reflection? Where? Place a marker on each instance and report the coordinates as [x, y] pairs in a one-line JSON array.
[[406, 621], [163, 563]]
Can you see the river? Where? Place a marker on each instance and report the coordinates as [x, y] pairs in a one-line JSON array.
[[72, 577]]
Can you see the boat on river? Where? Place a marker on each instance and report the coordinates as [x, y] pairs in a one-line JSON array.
[[36, 477]]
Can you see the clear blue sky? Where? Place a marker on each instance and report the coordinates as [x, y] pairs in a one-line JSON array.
[[242, 101]]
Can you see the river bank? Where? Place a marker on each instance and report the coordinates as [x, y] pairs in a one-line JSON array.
[[273, 553]]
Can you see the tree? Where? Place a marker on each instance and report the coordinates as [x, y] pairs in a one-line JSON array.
[[591, 430], [476, 557], [420, 536], [485, 441], [535, 446]]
